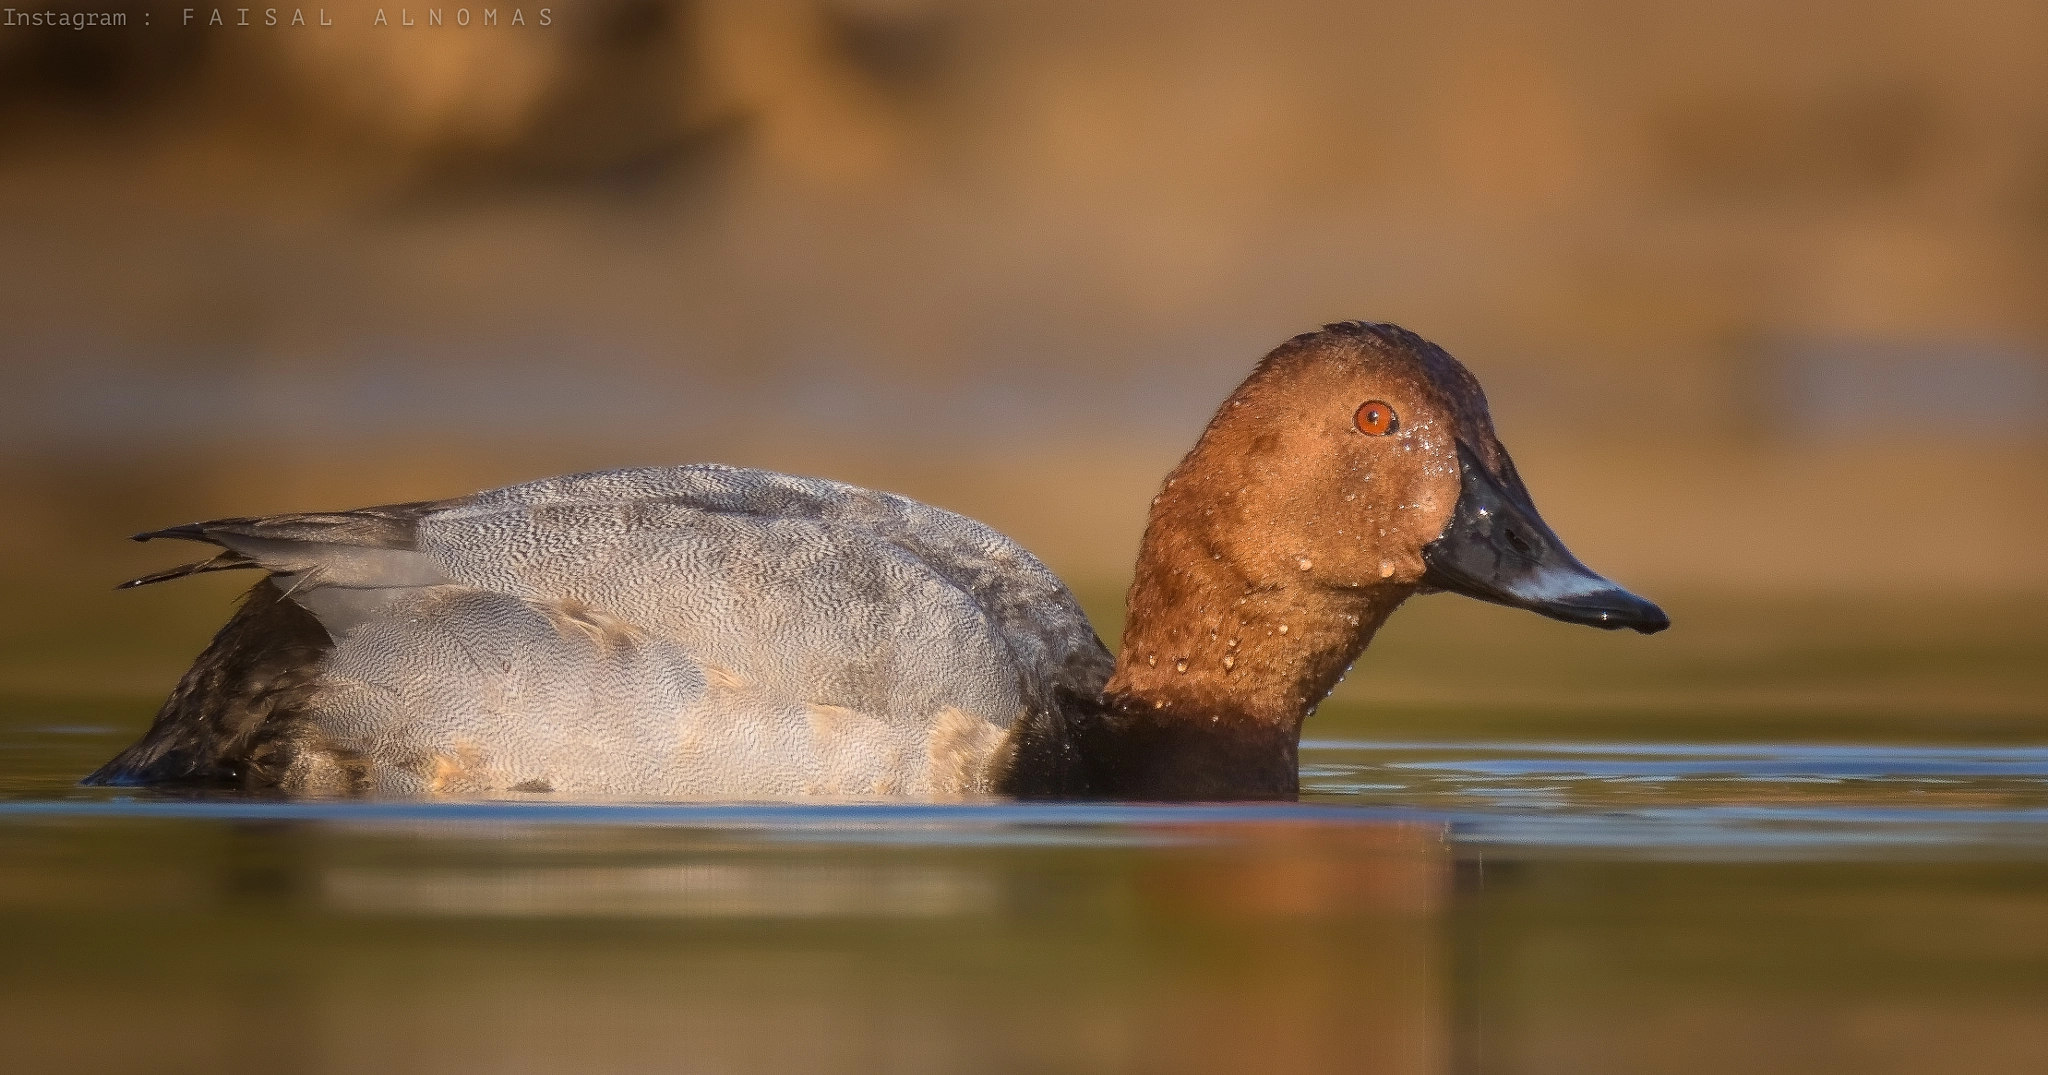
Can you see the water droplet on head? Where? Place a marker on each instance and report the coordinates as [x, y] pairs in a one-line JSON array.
[[1283, 628], [1181, 665], [1304, 563]]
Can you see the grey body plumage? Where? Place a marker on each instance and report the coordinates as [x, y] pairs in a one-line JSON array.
[[698, 631]]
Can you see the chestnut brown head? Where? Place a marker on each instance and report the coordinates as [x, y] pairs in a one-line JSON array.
[[1362, 455]]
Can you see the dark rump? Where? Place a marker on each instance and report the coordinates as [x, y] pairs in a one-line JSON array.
[[224, 722]]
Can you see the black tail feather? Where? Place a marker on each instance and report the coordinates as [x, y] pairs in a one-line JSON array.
[[187, 532], [226, 561]]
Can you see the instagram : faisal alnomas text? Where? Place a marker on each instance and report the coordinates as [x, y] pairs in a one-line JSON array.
[[460, 17]]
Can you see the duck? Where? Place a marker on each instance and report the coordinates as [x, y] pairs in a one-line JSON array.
[[716, 632]]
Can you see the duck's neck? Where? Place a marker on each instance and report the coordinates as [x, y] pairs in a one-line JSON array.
[[1217, 672]]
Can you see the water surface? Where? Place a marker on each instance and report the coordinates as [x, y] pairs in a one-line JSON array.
[[1744, 871]]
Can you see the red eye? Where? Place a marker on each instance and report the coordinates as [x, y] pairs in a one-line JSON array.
[[1376, 418]]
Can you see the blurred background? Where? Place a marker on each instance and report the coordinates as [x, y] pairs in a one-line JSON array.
[[1756, 288]]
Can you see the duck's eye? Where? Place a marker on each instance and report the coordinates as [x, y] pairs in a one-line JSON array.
[[1375, 418]]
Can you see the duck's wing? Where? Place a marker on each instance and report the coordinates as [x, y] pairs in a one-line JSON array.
[[814, 588]]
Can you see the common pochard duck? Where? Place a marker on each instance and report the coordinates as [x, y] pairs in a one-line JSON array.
[[717, 632]]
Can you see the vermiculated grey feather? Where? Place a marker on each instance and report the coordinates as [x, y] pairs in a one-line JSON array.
[[656, 632]]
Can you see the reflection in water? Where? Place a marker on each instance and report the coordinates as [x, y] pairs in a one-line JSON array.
[[1284, 870], [1293, 946], [1346, 969], [697, 891]]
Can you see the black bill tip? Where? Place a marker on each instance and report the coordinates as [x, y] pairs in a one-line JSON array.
[[1610, 608]]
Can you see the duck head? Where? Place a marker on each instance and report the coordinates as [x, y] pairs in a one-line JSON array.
[[1355, 467]]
